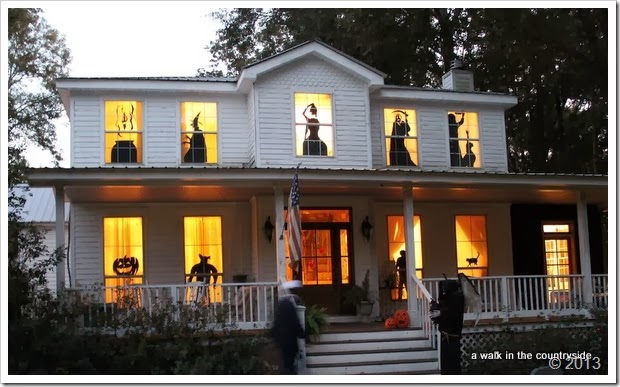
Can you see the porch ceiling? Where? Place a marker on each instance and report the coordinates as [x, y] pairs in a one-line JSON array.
[[115, 185]]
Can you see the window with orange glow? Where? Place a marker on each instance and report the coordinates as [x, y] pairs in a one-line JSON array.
[[123, 257], [123, 128], [471, 245], [202, 235], [314, 132], [464, 139], [199, 132], [396, 243], [401, 137]]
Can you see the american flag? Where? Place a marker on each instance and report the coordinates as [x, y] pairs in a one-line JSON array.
[[294, 229]]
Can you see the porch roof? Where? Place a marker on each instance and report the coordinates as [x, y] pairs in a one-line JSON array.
[[139, 184]]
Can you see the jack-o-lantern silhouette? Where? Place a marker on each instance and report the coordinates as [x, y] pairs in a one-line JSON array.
[[390, 323], [401, 316], [126, 265]]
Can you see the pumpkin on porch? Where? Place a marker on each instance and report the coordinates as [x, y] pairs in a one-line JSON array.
[[401, 316], [390, 323]]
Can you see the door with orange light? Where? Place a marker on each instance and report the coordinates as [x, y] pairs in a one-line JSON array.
[[326, 261]]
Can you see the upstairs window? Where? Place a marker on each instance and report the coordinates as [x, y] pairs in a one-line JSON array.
[[314, 132], [123, 132], [401, 137], [199, 132], [464, 139]]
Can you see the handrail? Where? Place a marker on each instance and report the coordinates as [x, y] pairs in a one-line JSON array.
[[422, 288]]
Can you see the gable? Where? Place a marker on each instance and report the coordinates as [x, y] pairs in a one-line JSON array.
[[372, 77]]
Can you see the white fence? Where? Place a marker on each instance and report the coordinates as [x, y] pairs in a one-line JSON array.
[[240, 305], [527, 296]]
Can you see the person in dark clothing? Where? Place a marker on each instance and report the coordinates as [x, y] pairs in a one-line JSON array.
[[399, 155], [401, 268], [287, 328], [313, 145]]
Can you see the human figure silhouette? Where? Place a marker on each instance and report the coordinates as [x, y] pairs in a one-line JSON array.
[[203, 271], [453, 130], [470, 157], [287, 328], [197, 152], [399, 155], [401, 268], [313, 145]]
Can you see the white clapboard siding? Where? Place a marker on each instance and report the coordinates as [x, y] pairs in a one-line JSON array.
[[433, 138], [275, 119], [162, 133], [49, 241], [493, 137], [163, 239], [233, 130], [251, 129], [86, 131], [433, 135], [87, 244]]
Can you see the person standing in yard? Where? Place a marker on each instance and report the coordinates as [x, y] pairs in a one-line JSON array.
[[287, 327], [401, 268]]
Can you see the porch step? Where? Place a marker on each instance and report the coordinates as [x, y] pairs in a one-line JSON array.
[[360, 351]]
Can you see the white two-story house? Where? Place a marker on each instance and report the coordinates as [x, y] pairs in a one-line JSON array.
[[164, 169]]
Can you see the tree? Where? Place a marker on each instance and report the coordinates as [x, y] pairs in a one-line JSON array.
[[553, 60], [37, 55]]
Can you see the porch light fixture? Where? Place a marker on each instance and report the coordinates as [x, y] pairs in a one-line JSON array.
[[268, 229], [366, 227]]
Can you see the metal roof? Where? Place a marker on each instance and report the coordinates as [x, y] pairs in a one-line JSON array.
[[417, 88], [40, 206], [459, 172], [163, 78]]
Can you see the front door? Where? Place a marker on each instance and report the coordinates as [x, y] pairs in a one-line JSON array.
[[326, 259], [326, 266]]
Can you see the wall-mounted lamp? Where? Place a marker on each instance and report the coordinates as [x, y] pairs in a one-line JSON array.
[[268, 229], [366, 227]]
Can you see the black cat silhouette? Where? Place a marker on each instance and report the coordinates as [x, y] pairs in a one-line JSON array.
[[197, 152], [472, 260]]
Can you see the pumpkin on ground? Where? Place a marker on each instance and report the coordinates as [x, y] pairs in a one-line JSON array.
[[390, 323], [401, 316]]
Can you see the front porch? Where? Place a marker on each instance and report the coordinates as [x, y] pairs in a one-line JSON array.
[[251, 305]]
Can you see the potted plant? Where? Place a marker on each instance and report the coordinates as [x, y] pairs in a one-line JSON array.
[[316, 319], [360, 297]]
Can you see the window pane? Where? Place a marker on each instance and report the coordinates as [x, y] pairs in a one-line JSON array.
[[199, 132], [123, 127], [471, 245], [400, 132], [313, 125], [325, 216], [396, 239], [464, 139], [122, 253], [203, 236], [556, 228]]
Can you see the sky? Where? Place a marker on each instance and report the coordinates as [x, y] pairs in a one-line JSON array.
[[116, 39]]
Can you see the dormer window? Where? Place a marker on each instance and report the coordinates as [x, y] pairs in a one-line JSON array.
[[464, 139], [199, 133], [314, 132], [401, 137], [123, 132]]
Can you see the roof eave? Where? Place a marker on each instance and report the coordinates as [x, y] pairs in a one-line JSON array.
[[449, 97]]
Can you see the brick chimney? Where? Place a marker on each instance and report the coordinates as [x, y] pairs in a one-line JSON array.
[[457, 78]]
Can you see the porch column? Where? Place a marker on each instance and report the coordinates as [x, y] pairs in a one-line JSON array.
[[280, 252], [59, 195], [584, 247], [412, 304]]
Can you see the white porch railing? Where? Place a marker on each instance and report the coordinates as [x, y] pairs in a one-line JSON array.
[[599, 290], [242, 305], [527, 296], [423, 321]]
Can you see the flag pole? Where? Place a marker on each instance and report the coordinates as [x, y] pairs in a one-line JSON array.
[[287, 213]]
